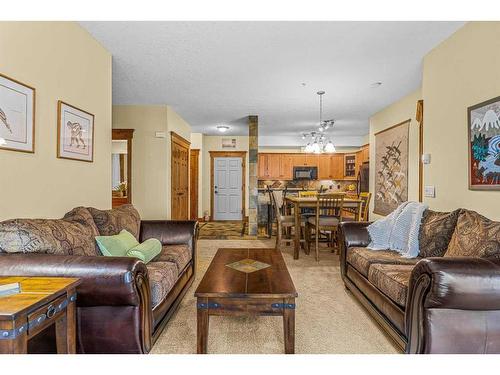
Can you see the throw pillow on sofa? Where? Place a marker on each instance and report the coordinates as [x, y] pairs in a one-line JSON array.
[[73, 235], [111, 222], [436, 231], [146, 251], [116, 245], [475, 236]]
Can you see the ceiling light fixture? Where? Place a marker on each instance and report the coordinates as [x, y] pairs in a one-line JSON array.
[[375, 85], [223, 128], [317, 144]]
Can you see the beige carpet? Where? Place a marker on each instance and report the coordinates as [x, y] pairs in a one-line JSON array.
[[328, 319]]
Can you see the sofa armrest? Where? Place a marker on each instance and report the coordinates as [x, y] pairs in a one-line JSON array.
[[169, 232], [355, 234], [468, 286], [106, 281], [351, 234]]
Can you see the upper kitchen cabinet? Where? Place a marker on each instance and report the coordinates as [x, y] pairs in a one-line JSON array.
[[262, 166], [325, 167], [337, 166], [286, 167], [349, 166]]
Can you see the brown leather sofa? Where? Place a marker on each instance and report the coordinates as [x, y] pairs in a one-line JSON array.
[[122, 304], [443, 304]]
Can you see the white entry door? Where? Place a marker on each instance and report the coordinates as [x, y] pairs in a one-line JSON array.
[[228, 189]]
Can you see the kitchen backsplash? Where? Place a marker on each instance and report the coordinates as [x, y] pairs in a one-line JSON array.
[[341, 185]]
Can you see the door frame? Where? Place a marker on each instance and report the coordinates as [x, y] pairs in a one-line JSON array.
[[228, 154], [125, 135], [181, 141], [193, 183]]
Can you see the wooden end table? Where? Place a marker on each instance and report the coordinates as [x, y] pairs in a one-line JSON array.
[[42, 302], [246, 282]]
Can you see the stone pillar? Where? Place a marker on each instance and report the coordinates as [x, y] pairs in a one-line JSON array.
[[253, 198]]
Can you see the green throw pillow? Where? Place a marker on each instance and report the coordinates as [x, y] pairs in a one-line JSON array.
[[146, 251], [117, 245]]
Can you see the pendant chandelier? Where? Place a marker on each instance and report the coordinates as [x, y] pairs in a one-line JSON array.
[[318, 142]]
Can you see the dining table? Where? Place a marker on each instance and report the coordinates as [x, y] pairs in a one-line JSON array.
[[310, 202]]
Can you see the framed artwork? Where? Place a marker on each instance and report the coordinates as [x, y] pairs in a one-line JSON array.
[[391, 168], [483, 128], [75, 133], [17, 115]]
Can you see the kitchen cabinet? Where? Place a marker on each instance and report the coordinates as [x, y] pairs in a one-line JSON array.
[[273, 166], [262, 166], [337, 166], [286, 167], [350, 166], [325, 167]]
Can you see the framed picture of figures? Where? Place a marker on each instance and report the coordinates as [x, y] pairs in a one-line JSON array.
[[483, 128], [391, 168], [17, 115], [75, 133]]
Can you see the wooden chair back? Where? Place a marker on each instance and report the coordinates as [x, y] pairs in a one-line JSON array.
[[330, 205], [365, 205]]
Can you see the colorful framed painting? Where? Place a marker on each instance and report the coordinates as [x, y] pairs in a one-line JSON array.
[[17, 115], [75, 133], [391, 166], [483, 128]]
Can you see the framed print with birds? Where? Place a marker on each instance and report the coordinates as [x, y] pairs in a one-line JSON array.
[[17, 115], [391, 168]]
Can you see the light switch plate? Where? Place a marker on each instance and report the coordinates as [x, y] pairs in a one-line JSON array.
[[426, 158], [430, 191]]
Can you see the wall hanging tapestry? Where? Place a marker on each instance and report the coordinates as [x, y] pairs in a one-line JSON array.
[[391, 168]]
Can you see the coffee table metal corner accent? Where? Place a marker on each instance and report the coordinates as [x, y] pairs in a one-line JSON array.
[[263, 287]]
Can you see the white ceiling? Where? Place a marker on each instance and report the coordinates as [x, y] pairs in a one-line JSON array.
[[215, 73]]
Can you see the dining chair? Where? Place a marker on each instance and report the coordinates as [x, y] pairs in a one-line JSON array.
[[359, 213], [283, 222], [365, 205], [327, 218]]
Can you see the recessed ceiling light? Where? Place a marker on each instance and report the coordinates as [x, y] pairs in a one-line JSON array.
[[374, 85], [222, 128]]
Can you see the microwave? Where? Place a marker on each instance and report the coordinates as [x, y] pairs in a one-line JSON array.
[[305, 173]]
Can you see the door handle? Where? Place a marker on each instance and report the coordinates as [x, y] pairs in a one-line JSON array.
[[215, 192]]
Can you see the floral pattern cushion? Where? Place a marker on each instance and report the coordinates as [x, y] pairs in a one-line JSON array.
[[162, 277], [475, 236], [435, 233], [73, 235], [180, 255], [362, 258], [392, 280], [111, 222]]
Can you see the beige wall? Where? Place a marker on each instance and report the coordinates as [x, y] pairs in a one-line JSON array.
[[214, 143], [460, 72], [396, 113], [151, 155], [62, 62]]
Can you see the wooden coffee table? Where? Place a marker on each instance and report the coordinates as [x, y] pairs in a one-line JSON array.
[[246, 282]]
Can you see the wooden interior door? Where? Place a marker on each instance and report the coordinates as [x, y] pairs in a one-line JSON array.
[[179, 178], [193, 183]]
